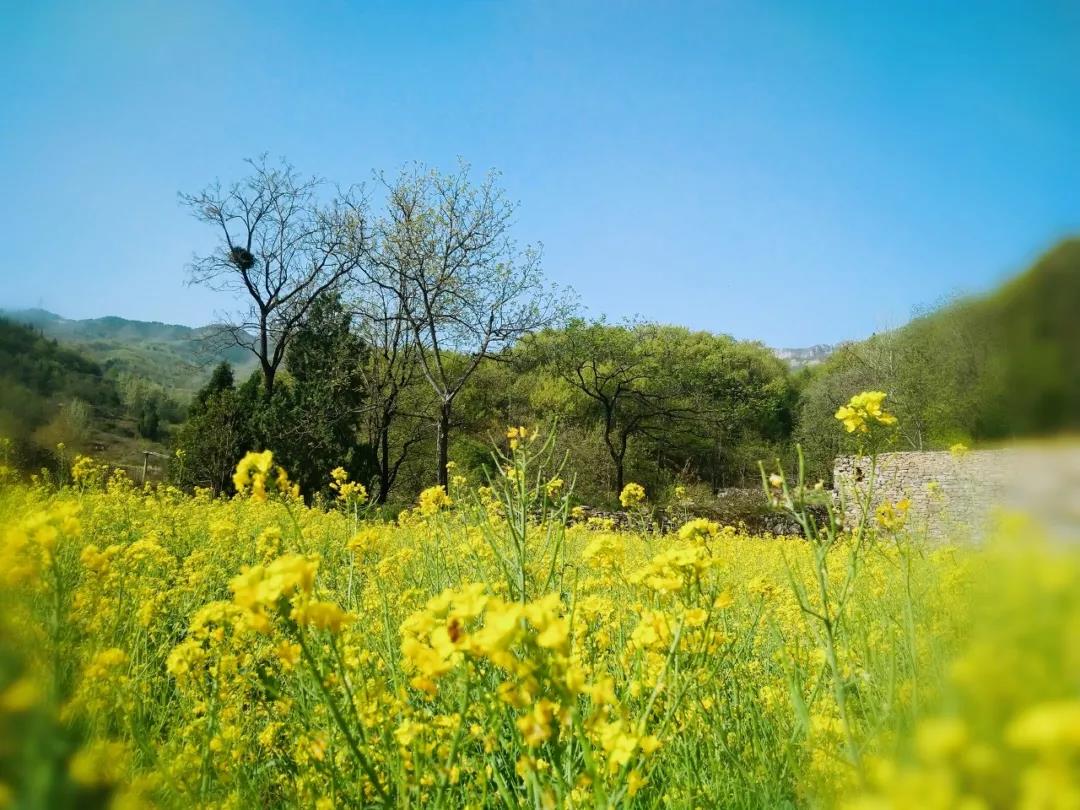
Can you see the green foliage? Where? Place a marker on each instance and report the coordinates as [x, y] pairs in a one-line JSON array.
[[43, 366], [983, 369], [149, 420], [659, 405], [215, 436], [1032, 380], [311, 422], [665, 400]]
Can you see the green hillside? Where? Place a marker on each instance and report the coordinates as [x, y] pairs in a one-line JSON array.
[[178, 358], [110, 387], [50, 394], [1033, 381], [982, 369]]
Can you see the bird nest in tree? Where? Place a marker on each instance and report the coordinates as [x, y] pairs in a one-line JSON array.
[[242, 258]]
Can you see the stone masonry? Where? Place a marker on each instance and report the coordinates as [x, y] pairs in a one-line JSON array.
[[960, 494]]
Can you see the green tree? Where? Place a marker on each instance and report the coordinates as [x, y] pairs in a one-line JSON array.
[[620, 370], [464, 288], [662, 401], [149, 424], [735, 401], [315, 423], [221, 379], [215, 436]]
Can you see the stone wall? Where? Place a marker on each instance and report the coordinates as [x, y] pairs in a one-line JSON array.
[[954, 493]]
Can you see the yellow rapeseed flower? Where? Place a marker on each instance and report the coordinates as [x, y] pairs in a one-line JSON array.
[[100, 764], [632, 495], [433, 499], [321, 616], [893, 516], [863, 410], [351, 491], [251, 473]]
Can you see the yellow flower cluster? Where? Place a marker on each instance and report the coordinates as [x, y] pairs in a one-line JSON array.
[[87, 472], [468, 621], [676, 568], [433, 500], [28, 543], [864, 410], [699, 530], [893, 516], [516, 435], [262, 588], [253, 472], [347, 491], [632, 495]]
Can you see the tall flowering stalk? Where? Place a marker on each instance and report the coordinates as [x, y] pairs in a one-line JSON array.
[[351, 495], [522, 512], [825, 601]]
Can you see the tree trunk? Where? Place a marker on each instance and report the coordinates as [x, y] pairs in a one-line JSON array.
[[618, 455], [443, 443], [268, 369], [269, 372], [384, 462]]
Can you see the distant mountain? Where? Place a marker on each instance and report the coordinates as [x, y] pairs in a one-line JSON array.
[[810, 356], [177, 357]]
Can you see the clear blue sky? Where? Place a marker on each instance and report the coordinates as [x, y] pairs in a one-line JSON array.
[[791, 172]]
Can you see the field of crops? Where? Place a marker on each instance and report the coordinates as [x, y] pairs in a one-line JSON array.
[[158, 649]]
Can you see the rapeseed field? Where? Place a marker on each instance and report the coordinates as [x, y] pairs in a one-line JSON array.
[[490, 648]]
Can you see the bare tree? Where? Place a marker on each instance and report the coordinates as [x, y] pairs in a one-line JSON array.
[[390, 369], [279, 248], [464, 287]]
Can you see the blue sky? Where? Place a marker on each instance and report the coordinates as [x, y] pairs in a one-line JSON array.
[[790, 172]]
